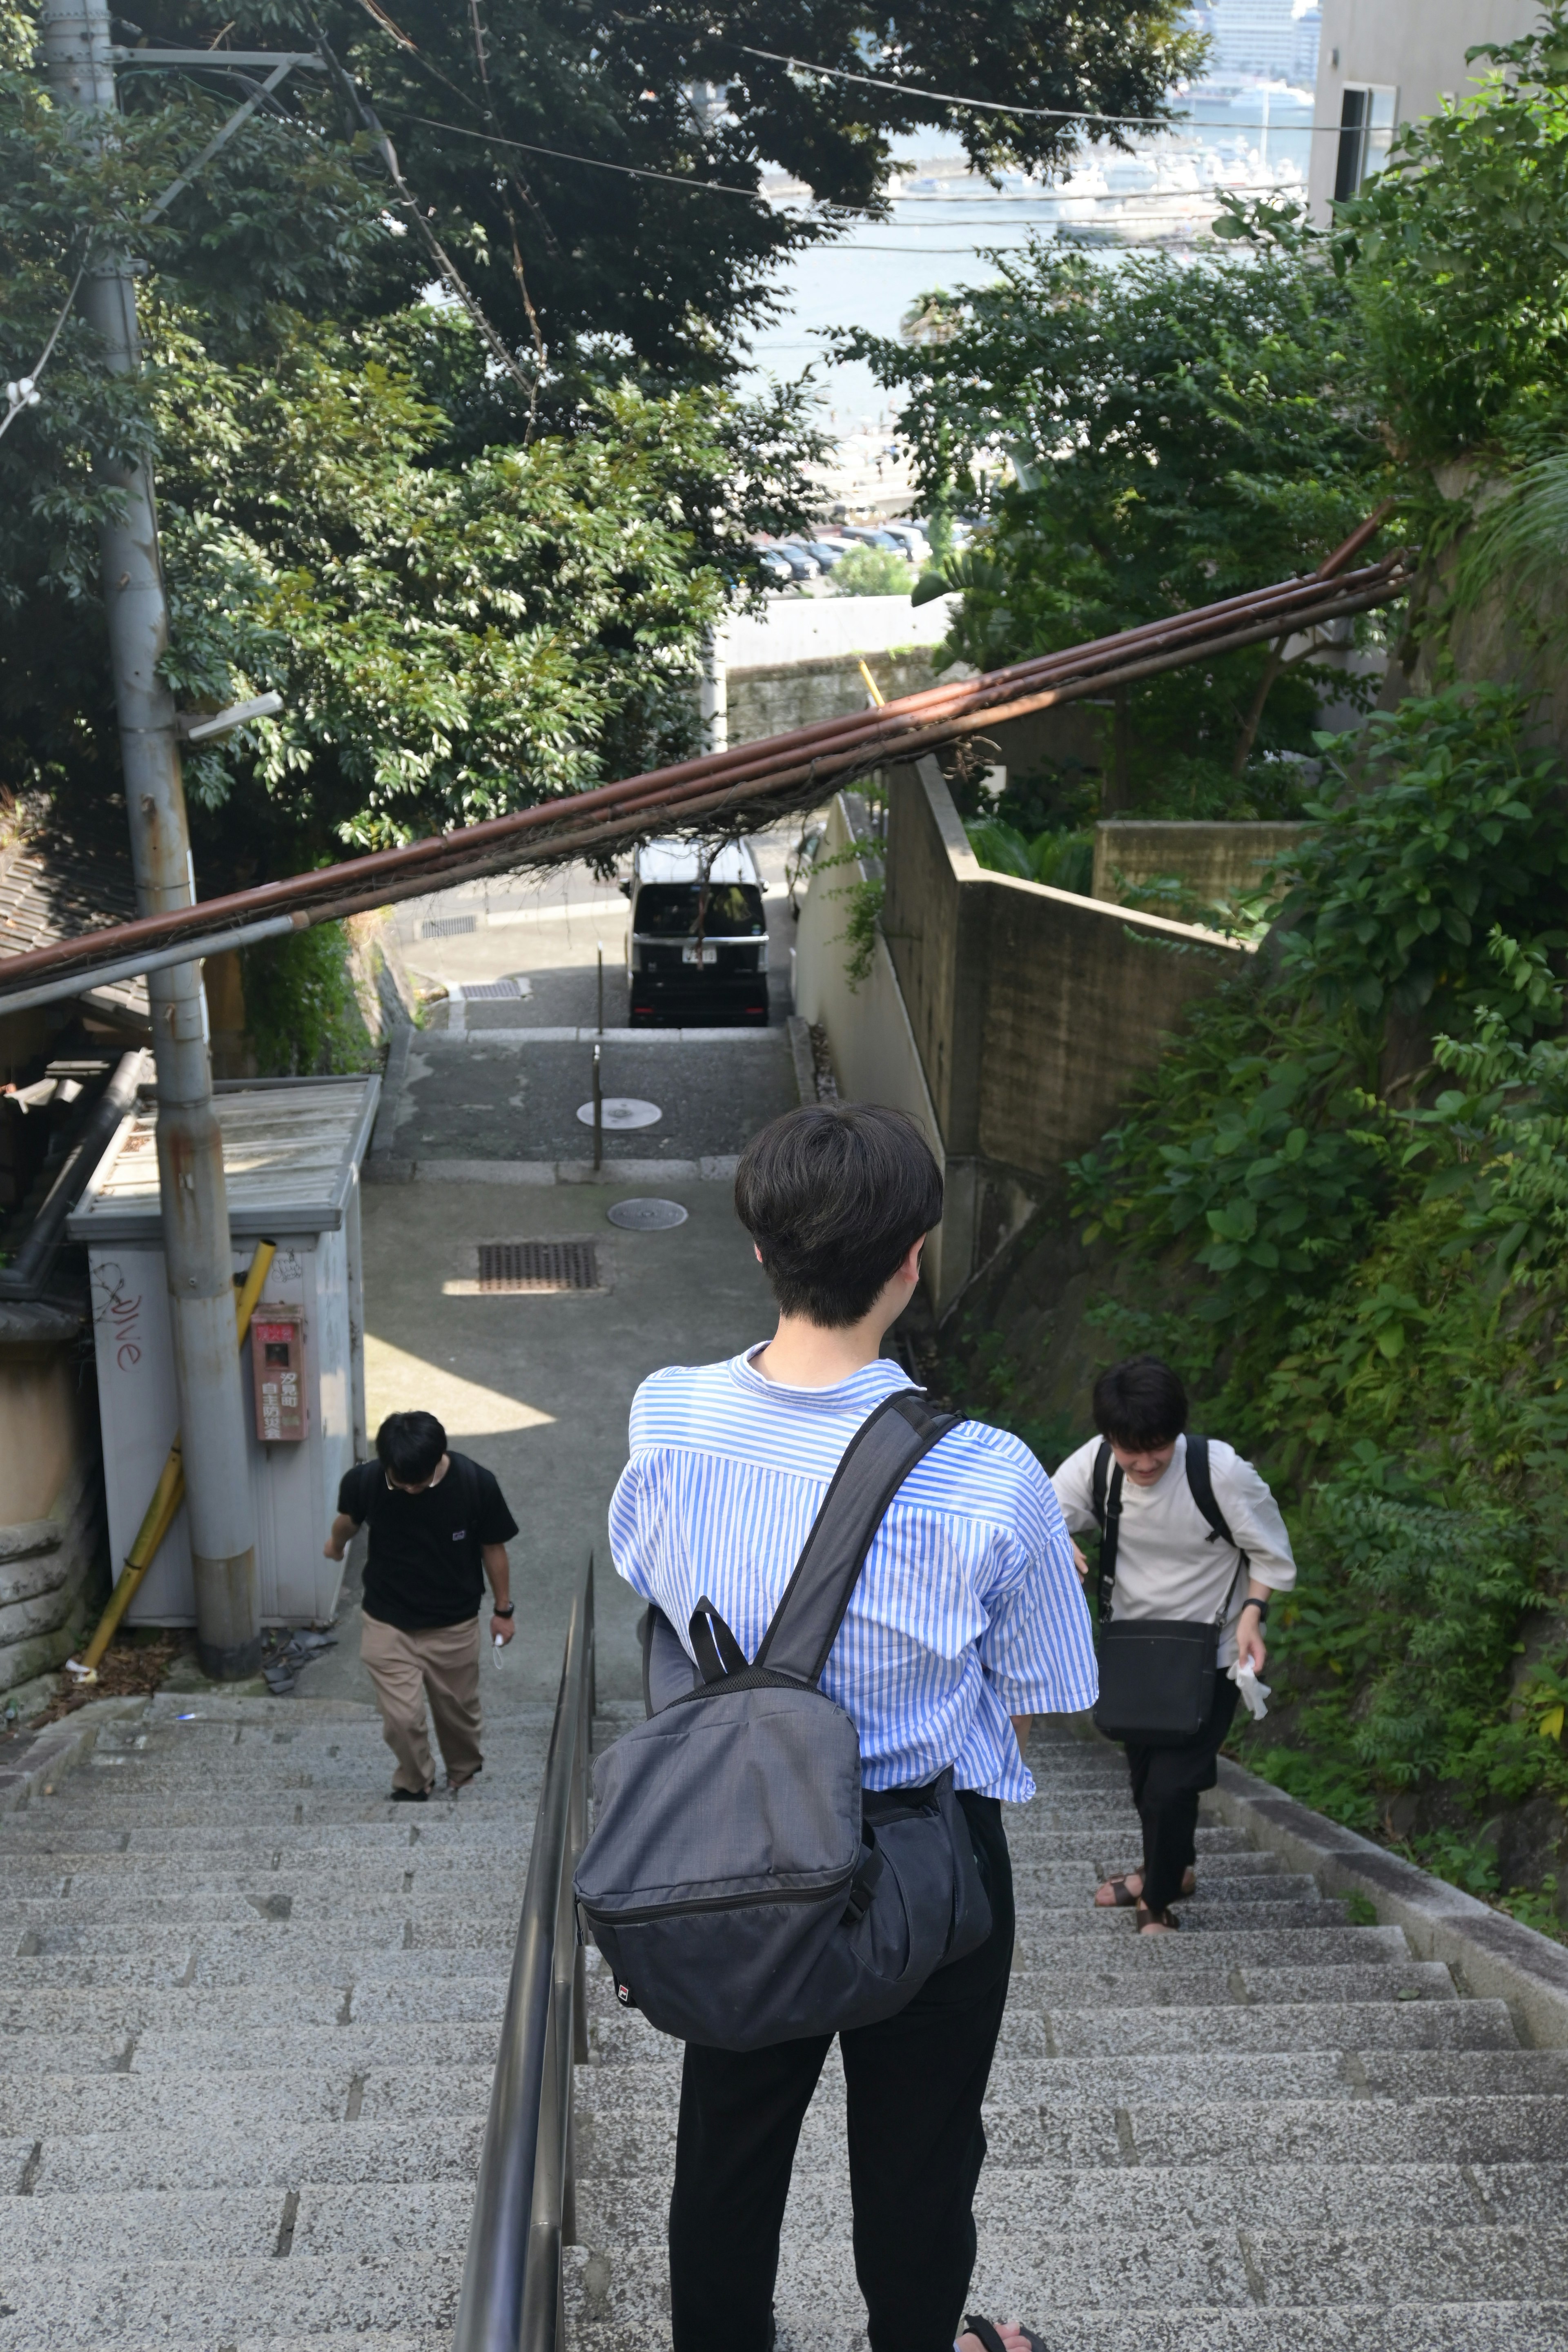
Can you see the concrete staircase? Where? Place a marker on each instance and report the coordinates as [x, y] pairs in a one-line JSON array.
[[250, 2012], [1276, 2131], [250, 2017]]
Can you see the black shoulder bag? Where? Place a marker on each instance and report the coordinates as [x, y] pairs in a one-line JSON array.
[[1156, 1674]]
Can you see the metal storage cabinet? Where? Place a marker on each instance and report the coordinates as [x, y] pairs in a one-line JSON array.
[[292, 1149]]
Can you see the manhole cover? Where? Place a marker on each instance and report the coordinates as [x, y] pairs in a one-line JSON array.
[[622, 1111], [448, 927], [646, 1216], [538, 1266]]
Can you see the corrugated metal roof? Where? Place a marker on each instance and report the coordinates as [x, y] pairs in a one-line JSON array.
[[290, 1147], [51, 887]]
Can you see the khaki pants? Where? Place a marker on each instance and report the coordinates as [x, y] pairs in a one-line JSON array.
[[443, 1662]]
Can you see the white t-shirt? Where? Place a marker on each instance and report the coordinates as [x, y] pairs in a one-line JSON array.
[[1168, 1563]]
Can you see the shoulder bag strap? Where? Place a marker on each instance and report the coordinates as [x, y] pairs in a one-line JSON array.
[[1200, 1485], [877, 1461], [1108, 1511]]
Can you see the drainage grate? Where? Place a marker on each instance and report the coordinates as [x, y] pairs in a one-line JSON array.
[[448, 927], [538, 1266], [473, 988]]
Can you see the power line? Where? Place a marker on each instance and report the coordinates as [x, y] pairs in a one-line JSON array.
[[1031, 113], [23, 394], [594, 163]]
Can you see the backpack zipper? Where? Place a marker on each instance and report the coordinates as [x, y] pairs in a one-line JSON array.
[[650, 1911]]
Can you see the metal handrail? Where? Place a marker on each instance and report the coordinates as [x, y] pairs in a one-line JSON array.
[[524, 2203]]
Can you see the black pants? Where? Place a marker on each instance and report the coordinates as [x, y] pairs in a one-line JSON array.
[[1166, 1785], [915, 2084]]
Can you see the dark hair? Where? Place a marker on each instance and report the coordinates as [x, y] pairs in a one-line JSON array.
[[1140, 1404], [410, 1445], [834, 1195]]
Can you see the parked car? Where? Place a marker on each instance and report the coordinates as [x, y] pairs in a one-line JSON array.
[[871, 535], [913, 541], [827, 552], [801, 565], [696, 944], [776, 566]]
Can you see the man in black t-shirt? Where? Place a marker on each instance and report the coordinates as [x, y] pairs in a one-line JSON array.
[[438, 1526]]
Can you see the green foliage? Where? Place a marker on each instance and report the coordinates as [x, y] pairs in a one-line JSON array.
[[1063, 860], [1374, 1288], [1179, 434], [871, 571], [304, 1016], [1456, 261], [862, 926], [1359, 1909], [1453, 826]]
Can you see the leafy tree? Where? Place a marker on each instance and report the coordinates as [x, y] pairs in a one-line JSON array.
[[871, 571], [491, 105], [1178, 433]]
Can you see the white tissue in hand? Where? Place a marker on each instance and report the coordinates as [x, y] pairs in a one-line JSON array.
[[1252, 1691]]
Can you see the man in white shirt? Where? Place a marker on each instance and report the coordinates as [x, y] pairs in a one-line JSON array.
[[1173, 1562]]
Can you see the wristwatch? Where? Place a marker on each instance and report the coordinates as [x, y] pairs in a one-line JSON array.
[[1252, 1602], [505, 1613]]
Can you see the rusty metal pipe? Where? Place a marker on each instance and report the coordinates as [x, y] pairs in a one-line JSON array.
[[382, 878]]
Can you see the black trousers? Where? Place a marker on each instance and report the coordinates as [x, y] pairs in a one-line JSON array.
[[915, 2084], [1166, 1785]]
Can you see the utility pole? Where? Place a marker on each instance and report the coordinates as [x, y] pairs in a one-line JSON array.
[[196, 1249]]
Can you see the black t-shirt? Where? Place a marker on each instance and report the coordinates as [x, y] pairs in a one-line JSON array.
[[424, 1566]]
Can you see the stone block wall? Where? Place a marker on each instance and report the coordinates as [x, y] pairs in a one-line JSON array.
[[769, 700], [53, 1570]]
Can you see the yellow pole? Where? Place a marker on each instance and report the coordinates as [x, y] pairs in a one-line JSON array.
[[167, 1496], [872, 688]]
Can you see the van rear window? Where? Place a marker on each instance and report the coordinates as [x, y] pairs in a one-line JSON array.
[[673, 910]]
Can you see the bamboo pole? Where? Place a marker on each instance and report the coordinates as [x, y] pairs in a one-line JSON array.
[[167, 1496]]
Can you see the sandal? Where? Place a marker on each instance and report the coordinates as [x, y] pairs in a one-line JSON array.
[[1122, 1895], [1152, 1922], [974, 2326]]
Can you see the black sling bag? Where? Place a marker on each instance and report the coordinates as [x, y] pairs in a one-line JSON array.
[[1156, 1674]]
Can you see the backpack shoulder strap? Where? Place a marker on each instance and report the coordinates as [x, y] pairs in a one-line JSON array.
[[877, 1461], [1200, 1485], [1096, 1488]]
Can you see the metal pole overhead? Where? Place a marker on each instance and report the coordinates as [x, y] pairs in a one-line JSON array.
[[196, 1250]]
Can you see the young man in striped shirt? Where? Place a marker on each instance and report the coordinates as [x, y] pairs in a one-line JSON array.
[[967, 1613]]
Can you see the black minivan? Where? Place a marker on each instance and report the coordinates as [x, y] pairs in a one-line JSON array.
[[696, 946]]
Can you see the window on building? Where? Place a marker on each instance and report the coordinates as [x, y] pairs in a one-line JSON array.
[[1367, 113]]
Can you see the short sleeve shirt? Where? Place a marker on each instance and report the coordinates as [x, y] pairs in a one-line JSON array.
[[424, 1566]]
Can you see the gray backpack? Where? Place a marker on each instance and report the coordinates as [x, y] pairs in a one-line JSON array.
[[741, 1886]]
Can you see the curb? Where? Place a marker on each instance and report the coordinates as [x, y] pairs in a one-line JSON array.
[[1491, 1957], [36, 1761]]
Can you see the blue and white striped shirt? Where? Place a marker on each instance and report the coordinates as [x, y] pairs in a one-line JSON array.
[[968, 1609]]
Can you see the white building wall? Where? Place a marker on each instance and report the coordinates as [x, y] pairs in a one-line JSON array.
[[1416, 48]]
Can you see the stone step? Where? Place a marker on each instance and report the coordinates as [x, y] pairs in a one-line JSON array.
[[104, 1878], [330, 2222], [85, 1921], [1123, 1849], [137, 2009], [279, 1943], [1343, 2327], [1200, 1915], [112, 2163], [64, 2307], [432, 1829], [1226, 1878], [1113, 2124], [36, 2107], [1108, 2202], [285, 1966], [1027, 2266], [1046, 1943]]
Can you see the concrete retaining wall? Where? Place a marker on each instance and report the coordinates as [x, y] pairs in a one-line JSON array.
[[1218, 863], [1030, 1012]]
